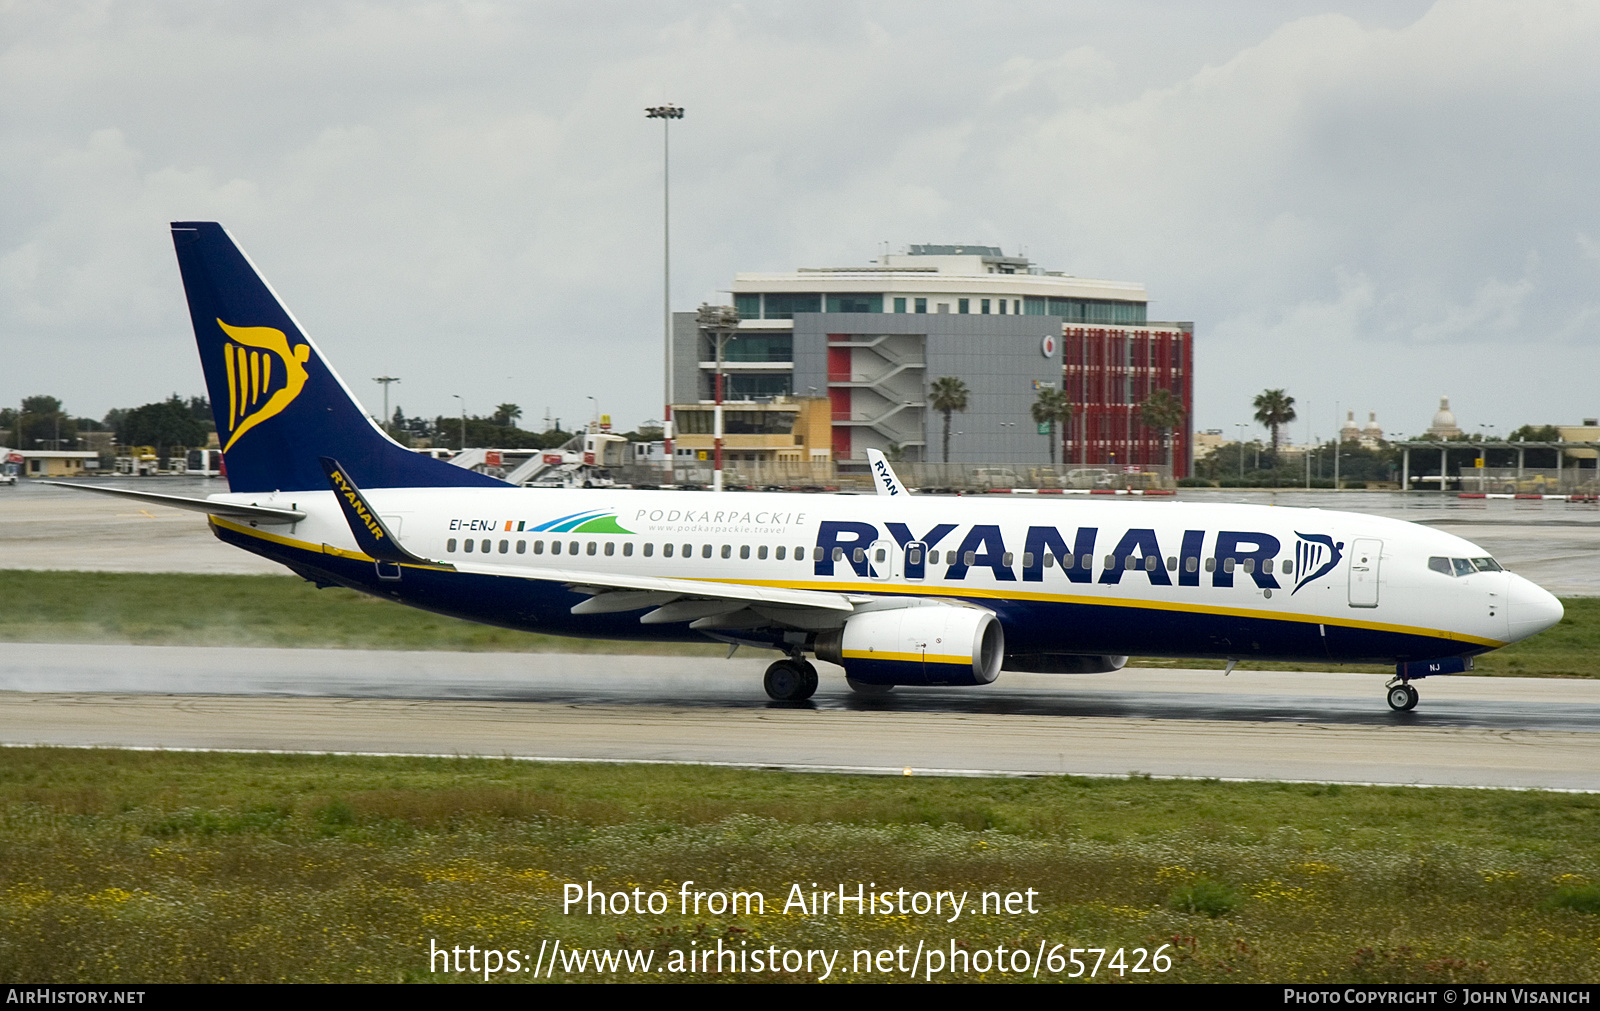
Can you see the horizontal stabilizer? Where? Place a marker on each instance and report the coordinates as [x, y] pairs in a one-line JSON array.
[[234, 510]]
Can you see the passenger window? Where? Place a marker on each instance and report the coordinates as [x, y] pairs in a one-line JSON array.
[[1027, 559], [1191, 564], [727, 550], [761, 552], [1227, 565], [816, 554], [505, 546], [688, 551], [838, 554], [1172, 563], [1463, 567], [627, 549], [466, 545], [522, 547], [1249, 566], [705, 551], [666, 551], [1130, 563], [1048, 559], [450, 545], [933, 557], [1266, 566], [914, 556], [1150, 563], [611, 548], [1287, 568], [1005, 559], [1111, 561], [572, 547], [744, 551], [779, 553], [1211, 565], [1088, 563], [538, 547], [858, 555], [971, 558]]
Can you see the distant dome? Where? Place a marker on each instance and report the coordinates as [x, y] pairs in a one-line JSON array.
[[1349, 431], [1444, 422], [1373, 430]]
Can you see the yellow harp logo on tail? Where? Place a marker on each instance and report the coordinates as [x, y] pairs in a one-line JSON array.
[[259, 361]]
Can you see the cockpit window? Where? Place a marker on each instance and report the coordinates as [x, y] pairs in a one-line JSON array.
[[1463, 566]]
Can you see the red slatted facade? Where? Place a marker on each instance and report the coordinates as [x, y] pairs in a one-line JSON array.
[[1108, 372]]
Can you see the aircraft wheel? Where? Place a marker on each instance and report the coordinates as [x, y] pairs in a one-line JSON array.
[[871, 691], [1403, 698], [787, 681]]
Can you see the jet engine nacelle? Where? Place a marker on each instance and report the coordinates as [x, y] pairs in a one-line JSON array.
[[927, 644], [1064, 663]]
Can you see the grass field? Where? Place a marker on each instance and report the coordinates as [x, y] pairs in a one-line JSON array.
[[141, 866], [172, 609]]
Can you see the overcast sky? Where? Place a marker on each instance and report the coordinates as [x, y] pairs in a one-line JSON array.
[[1369, 203]]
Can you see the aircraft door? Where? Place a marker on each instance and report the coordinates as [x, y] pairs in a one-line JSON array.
[[881, 560], [1365, 556]]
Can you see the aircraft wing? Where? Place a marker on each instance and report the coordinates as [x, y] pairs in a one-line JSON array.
[[232, 510], [610, 591], [625, 589]]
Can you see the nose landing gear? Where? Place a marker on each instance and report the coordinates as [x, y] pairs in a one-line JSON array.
[[790, 680], [1402, 697]]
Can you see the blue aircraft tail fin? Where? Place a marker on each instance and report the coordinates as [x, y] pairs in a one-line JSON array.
[[278, 404]]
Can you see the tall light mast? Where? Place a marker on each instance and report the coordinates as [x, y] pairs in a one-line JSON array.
[[666, 113]]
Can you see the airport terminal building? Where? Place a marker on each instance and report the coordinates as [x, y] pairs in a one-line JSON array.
[[871, 340]]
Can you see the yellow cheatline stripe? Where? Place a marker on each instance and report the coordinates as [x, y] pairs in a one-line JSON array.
[[916, 589], [907, 589], [870, 654], [320, 549]]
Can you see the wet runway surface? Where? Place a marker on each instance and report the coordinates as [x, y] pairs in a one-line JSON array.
[[1250, 725], [692, 683]]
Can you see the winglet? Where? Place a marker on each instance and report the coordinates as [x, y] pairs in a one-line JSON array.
[[883, 475], [372, 535]]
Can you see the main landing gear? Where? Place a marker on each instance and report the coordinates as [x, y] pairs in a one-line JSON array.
[[790, 680], [1402, 697]]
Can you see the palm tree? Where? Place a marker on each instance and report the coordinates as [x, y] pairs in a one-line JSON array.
[[507, 414], [1274, 409], [1048, 408], [1163, 411], [948, 394]]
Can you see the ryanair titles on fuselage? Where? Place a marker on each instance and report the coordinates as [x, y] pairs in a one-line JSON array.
[[1084, 554]]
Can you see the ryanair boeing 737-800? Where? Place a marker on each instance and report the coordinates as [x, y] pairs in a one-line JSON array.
[[897, 589]]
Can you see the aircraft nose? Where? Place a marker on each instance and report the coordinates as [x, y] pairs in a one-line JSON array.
[[1533, 608]]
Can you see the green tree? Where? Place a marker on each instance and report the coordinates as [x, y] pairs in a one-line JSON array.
[[507, 415], [165, 424], [1274, 409], [1049, 408], [948, 395], [1162, 411], [1535, 433], [42, 423]]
